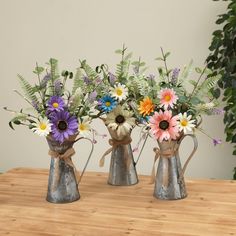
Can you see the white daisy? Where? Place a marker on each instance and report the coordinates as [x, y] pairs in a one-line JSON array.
[[119, 91], [120, 120], [84, 126], [42, 127], [185, 123]]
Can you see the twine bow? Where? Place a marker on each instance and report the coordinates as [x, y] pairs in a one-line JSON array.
[[114, 143], [158, 153], [66, 157]]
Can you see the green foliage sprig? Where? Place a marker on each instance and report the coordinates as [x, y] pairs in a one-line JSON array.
[[222, 59]]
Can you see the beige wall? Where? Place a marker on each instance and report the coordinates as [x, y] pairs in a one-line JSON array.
[[74, 29]]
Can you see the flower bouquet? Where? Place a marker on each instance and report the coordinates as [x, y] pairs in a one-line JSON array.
[[117, 107], [63, 117], [173, 113]]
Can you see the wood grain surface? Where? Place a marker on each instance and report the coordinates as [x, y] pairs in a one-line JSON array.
[[209, 209]]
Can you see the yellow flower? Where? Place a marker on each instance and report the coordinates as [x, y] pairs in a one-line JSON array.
[[146, 106]]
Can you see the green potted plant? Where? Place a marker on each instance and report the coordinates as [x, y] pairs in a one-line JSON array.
[[222, 59]]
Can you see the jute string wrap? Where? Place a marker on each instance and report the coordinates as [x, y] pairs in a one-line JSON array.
[[66, 157], [158, 153], [114, 143]]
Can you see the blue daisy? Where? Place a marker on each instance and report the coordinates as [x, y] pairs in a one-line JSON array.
[[107, 104]]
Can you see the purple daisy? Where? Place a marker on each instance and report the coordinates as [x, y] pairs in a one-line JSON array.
[[56, 103], [63, 125]]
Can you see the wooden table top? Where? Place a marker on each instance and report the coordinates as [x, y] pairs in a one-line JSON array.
[[209, 209]]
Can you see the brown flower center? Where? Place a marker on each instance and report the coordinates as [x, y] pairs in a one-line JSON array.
[[62, 125], [120, 119], [164, 124]]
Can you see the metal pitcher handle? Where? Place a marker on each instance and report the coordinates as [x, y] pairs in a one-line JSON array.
[[90, 154], [195, 142], [145, 140]]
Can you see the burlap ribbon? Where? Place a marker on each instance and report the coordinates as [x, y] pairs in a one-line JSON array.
[[114, 143], [66, 157], [158, 153]]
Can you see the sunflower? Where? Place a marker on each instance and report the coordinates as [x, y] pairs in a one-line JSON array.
[[120, 120], [146, 106]]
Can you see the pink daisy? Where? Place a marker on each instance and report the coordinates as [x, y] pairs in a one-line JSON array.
[[167, 98], [164, 126]]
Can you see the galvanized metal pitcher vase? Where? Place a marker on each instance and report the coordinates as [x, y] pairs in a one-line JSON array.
[[169, 181], [63, 176], [122, 166]]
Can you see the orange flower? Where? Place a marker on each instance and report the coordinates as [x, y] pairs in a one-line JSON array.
[[146, 106]]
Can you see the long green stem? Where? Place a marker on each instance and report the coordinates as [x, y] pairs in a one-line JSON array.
[[23, 97], [16, 112], [122, 59], [201, 130], [164, 59], [195, 87]]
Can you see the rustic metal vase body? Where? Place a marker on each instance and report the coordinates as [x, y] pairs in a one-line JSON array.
[[169, 183], [62, 183], [122, 166]]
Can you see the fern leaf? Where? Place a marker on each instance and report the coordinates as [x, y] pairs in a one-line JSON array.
[[122, 68], [75, 102], [206, 86], [54, 75], [54, 69], [119, 70], [78, 82], [28, 90], [139, 86], [143, 87], [89, 71]]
